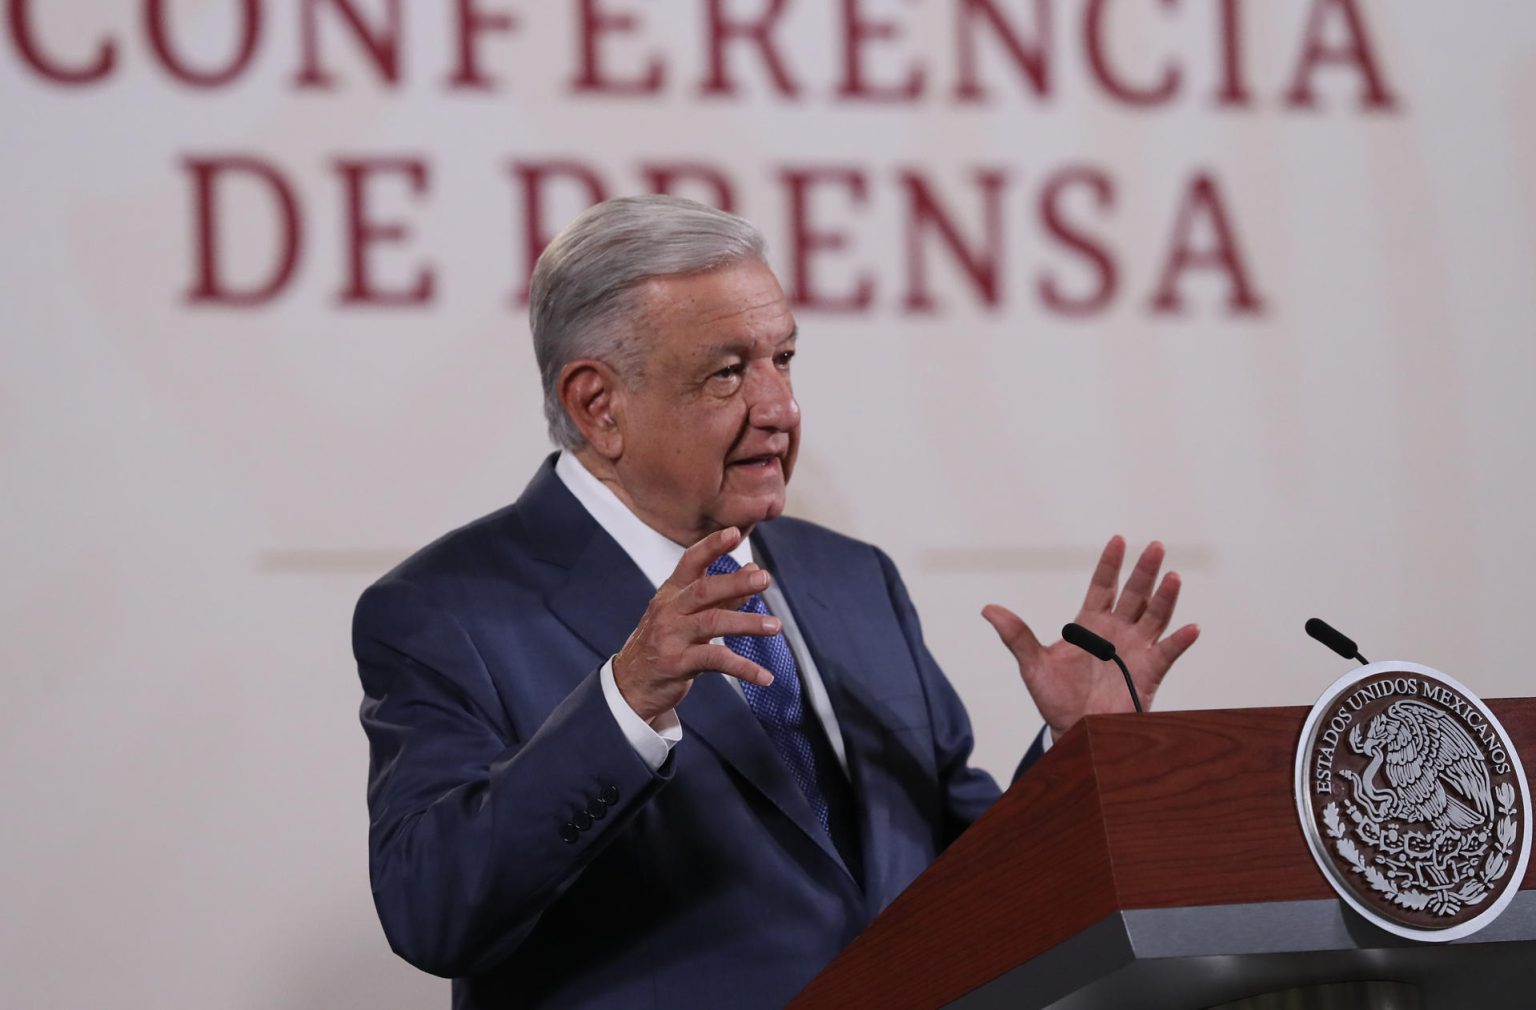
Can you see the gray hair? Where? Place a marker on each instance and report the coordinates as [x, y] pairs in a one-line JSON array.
[[584, 285]]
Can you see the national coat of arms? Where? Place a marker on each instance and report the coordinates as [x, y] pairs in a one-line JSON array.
[[1413, 801]]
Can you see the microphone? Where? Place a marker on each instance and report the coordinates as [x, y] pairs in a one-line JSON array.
[[1334, 639], [1101, 649]]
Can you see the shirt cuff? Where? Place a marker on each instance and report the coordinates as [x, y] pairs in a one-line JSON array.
[[651, 741]]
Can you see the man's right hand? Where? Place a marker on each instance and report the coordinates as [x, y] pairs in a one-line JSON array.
[[671, 646]]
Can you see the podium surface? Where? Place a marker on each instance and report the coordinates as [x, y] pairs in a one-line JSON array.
[[1156, 862]]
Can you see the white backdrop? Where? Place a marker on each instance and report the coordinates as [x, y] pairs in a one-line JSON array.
[[195, 492]]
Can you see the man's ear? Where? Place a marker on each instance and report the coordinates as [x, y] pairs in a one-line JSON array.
[[592, 395]]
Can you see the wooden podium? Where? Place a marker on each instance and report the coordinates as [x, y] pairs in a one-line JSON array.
[[1156, 862]]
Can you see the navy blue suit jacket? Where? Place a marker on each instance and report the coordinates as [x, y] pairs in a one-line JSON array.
[[705, 884]]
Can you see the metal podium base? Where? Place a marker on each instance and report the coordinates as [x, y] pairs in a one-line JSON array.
[[1339, 996], [1207, 957]]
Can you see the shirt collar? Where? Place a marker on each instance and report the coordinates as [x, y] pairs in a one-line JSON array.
[[654, 554]]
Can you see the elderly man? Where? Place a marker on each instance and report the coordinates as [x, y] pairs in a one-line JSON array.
[[637, 741]]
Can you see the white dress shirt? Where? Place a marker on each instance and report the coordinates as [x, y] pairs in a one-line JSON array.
[[657, 558]]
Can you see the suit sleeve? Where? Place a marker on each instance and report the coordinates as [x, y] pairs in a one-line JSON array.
[[966, 791], [474, 833]]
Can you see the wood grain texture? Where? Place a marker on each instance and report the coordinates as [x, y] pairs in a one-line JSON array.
[[1160, 810], [1200, 809]]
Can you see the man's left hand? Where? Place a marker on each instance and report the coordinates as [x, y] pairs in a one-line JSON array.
[[1067, 683]]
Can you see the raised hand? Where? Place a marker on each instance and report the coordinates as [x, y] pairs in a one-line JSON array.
[[671, 645], [1067, 683]]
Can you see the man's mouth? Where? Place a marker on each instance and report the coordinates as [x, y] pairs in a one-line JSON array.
[[762, 462]]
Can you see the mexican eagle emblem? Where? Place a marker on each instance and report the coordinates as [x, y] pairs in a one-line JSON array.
[[1413, 801]]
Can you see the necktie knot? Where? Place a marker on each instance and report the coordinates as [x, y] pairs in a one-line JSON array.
[[725, 565]]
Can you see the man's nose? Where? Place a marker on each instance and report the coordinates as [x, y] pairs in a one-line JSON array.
[[771, 400]]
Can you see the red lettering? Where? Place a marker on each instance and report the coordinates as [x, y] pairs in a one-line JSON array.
[[1032, 59], [1053, 197], [534, 177], [1354, 51], [664, 179], [20, 16], [471, 22], [175, 65], [594, 24], [210, 286], [924, 214], [380, 44], [1202, 200], [859, 31], [1163, 91], [806, 240], [362, 233], [1233, 92], [721, 29]]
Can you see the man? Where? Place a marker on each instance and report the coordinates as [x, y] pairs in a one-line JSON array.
[[636, 740]]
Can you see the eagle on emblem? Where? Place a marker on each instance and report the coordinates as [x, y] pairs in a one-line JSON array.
[[1436, 773], [1417, 831]]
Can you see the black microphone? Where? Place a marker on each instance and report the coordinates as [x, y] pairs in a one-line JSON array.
[[1101, 649], [1334, 639]]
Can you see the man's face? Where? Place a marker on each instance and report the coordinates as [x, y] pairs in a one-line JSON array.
[[711, 427]]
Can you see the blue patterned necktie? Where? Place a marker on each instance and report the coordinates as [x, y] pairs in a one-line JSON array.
[[780, 706]]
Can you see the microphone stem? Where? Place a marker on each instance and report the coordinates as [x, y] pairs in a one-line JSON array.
[[1362, 659], [1130, 685]]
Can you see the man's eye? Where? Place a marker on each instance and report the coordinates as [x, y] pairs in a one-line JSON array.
[[782, 358], [728, 372]]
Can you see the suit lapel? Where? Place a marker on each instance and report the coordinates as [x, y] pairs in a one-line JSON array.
[[604, 593], [842, 671], [605, 596], [602, 600], [719, 716]]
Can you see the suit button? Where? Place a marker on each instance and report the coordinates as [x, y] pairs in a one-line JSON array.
[[596, 810], [609, 795], [582, 820], [569, 834]]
